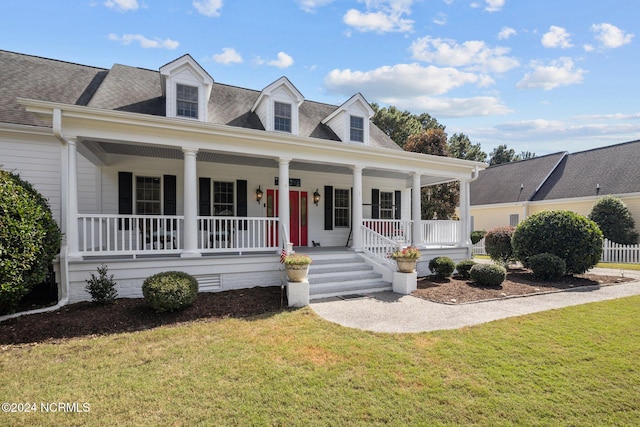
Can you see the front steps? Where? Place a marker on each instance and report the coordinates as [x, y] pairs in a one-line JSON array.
[[342, 273]]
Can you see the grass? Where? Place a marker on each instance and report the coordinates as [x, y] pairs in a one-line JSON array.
[[575, 366]]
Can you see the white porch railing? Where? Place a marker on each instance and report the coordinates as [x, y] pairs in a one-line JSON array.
[[237, 234], [623, 254], [441, 232], [101, 234], [378, 246], [393, 229]]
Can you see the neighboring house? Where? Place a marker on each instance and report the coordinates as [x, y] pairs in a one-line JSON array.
[[508, 193], [148, 171]]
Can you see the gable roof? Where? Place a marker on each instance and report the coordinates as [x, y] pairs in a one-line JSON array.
[[138, 90], [513, 182]]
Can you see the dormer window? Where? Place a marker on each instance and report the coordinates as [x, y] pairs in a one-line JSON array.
[[187, 101], [282, 117], [357, 129]]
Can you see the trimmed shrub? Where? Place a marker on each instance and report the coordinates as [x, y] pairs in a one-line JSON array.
[[615, 220], [442, 267], [497, 243], [102, 288], [488, 274], [573, 238], [477, 235], [464, 267], [170, 290], [547, 266], [29, 239]]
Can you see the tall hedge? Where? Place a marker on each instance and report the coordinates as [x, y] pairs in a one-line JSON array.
[[572, 237], [29, 239], [497, 243], [615, 220]]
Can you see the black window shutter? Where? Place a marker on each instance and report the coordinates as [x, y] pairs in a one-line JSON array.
[[242, 209], [204, 197], [170, 195], [398, 203], [125, 197], [328, 207], [375, 203]]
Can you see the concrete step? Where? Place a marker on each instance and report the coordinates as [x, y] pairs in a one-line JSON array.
[[335, 289]]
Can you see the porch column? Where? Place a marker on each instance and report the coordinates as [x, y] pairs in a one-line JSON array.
[[357, 209], [72, 198], [190, 231], [465, 219], [416, 210], [283, 202]]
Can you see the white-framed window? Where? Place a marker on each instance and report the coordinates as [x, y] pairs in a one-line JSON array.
[[341, 207], [356, 132], [186, 101], [148, 195], [282, 117], [386, 205], [514, 219], [223, 198]]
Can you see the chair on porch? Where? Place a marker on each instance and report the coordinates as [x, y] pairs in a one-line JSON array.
[[153, 234]]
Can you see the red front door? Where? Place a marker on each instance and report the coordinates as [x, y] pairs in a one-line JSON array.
[[297, 216]]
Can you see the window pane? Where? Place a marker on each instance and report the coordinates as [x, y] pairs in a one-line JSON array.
[[187, 101], [386, 205], [357, 129], [341, 207], [282, 117], [223, 198], [148, 196]]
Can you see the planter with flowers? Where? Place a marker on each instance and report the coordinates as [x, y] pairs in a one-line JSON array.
[[406, 259], [297, 268]]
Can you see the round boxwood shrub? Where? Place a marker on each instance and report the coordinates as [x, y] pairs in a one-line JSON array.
[[170, 290], [464, 267], [615, 220], [547, 266], [574, 238], [29, 239], [497, 243], [488, 274], [442, 267]]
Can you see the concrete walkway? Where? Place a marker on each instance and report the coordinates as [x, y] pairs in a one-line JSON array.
[[390, 312]]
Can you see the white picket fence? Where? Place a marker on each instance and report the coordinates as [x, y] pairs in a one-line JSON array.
[[611, 252]]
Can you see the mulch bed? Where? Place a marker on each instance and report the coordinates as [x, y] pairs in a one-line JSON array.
[[519, 282], [132, 314]]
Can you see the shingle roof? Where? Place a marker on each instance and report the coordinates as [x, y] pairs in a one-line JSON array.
[[512, 182], [137, 90]]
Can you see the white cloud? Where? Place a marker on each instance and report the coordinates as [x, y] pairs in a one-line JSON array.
[[506, 32], [283, 61], [450, 107], [381, 16], [473, 54], [610, 36], [122, 5], [588, 48], [156, 43], [556, 37], [494, 5], [312, 5], [208, 7], [440, 19], [228, 56], [560, 72]]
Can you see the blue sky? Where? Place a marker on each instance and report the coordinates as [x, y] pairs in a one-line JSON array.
[[539, 76]]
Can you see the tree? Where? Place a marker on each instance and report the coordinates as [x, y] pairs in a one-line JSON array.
[[502, 154], [615, 220], [400, 125], [460, 147], [525, 155]]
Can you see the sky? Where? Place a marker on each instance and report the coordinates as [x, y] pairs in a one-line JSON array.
[[537, 75]]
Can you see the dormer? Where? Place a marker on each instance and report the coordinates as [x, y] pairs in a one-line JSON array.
[[350, 121], [187, 88], [277, 106]]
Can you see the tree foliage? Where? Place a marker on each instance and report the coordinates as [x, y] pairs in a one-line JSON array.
[[501, 154], [461, 147], [400, 125], [29, 239], [615, 220]]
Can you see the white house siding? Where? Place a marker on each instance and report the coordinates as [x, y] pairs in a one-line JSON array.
[[88, 186]]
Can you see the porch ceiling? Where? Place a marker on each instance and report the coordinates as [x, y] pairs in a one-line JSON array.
[[102, 148]]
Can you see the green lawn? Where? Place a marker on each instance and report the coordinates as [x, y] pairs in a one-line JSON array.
[[577, 366]]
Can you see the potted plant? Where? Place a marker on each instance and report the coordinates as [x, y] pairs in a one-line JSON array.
[[297, 267], [406, 259]]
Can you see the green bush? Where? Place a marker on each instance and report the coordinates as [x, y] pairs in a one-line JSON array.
[[442, 267], [464, 267], [170, 290], [477, 235], [29, 239], [488, 274], [615, 220], [547, 266], [102, 288], [573, 238], [497, 243]]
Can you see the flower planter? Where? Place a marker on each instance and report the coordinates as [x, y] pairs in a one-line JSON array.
[[297, 273], [406, 265]]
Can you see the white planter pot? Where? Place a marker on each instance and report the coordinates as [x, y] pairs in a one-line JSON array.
[[297, 273]]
